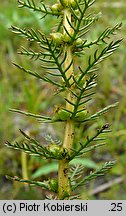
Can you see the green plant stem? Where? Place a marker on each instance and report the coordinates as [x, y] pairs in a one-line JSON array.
[[64, 188], [24, 166]]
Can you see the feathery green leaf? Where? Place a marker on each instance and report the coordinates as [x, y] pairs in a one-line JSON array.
[[99, 172]]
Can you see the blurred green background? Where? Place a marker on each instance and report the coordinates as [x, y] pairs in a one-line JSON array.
[[21, 91]]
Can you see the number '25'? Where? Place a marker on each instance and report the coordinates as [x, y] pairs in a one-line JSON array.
[[116, 206]]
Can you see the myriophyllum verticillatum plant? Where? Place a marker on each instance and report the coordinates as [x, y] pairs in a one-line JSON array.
[[74, 83]]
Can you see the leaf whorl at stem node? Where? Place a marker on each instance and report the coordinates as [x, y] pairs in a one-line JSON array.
[[57, 151]]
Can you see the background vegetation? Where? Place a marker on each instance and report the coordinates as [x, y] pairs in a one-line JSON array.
[[20, 91]]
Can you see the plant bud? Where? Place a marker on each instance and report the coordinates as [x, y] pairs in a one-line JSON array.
[[56, 37], [56, 150], [81, 116], [66, 37], [73, 4], [60, 114], [64, 115], [78, 42], [53, 183], [56, 8]]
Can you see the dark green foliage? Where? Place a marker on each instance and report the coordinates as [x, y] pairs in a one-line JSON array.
[[34, 148]]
